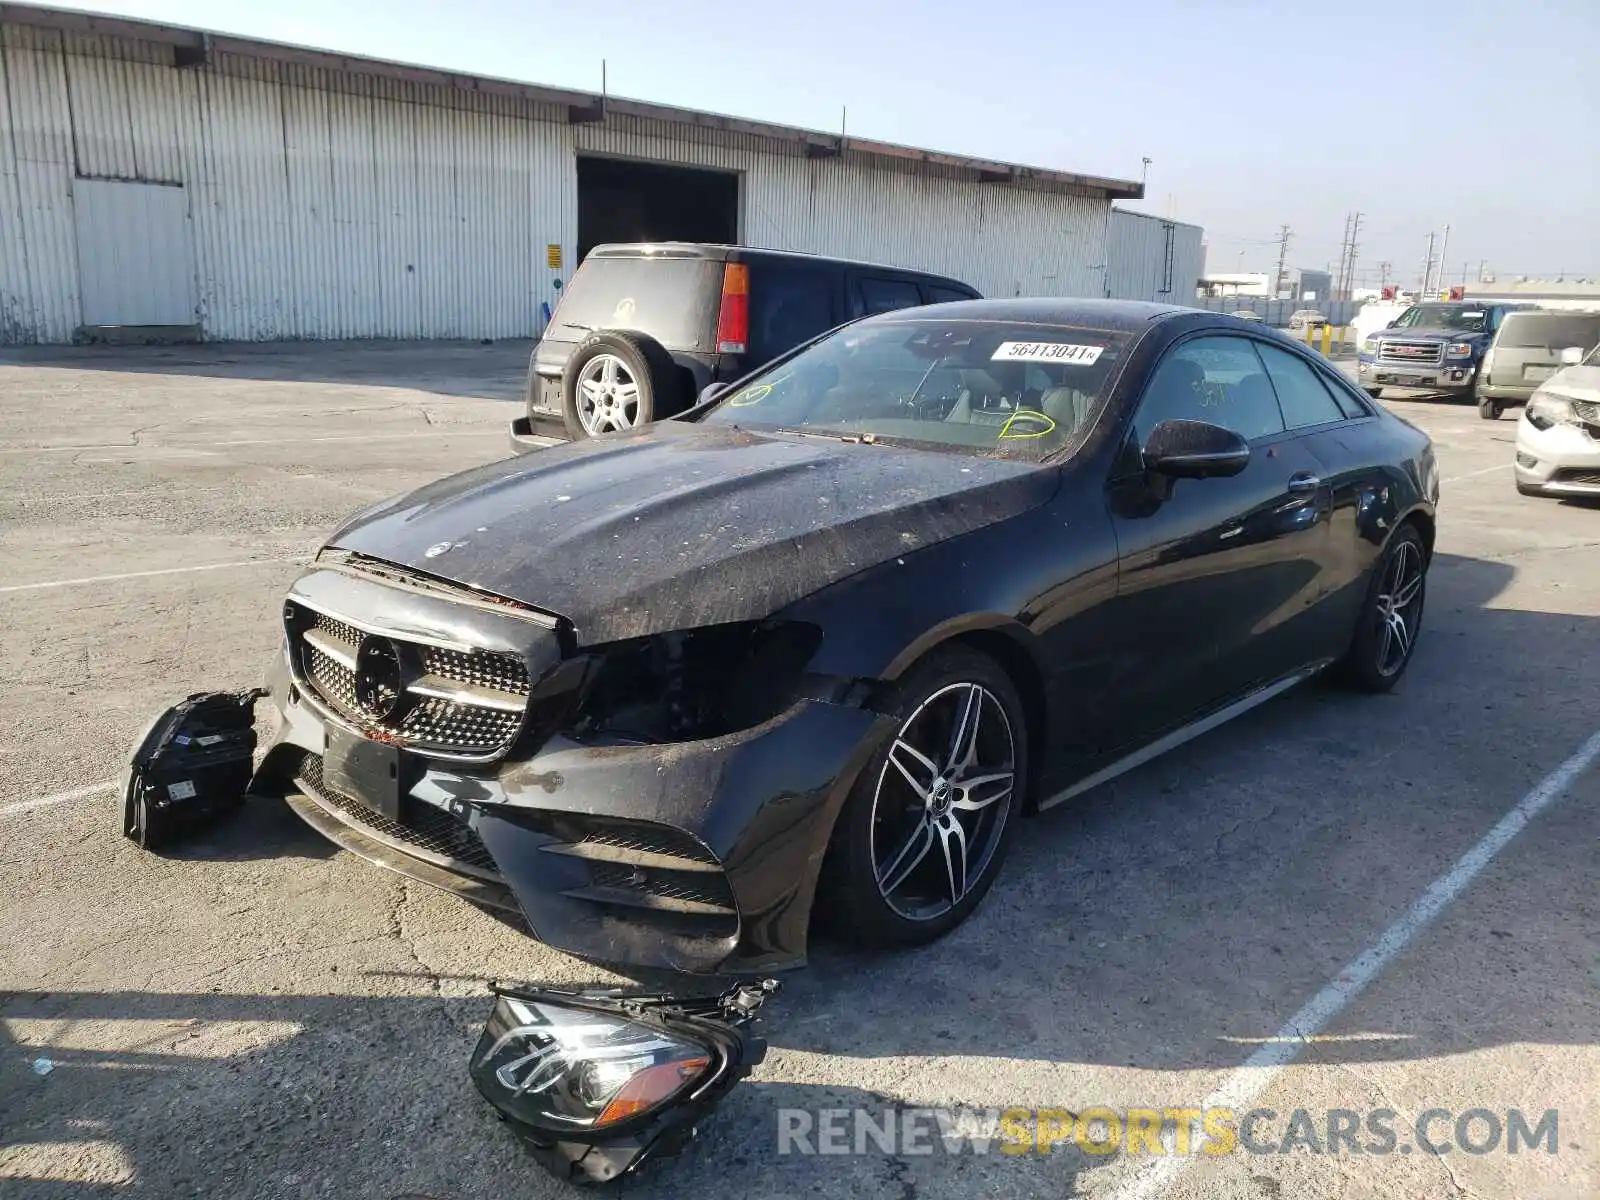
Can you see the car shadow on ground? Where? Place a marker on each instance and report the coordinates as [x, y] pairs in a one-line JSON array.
[[1164, 923], [492, 371]]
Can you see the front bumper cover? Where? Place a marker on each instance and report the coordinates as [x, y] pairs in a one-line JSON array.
[[697, 857], [1563, 460], [1448, 376]]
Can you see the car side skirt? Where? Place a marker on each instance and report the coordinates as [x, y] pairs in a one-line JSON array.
[[1183, 734]]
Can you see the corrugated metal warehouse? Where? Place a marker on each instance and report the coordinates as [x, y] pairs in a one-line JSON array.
[[1153, 258], [233, 189]]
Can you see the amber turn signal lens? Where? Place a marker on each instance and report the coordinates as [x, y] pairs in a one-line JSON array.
[[649, 1088]]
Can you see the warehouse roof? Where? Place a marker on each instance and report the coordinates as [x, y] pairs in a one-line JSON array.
[[194, 47]]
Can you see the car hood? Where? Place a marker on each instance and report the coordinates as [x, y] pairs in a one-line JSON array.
[[1427, 333], [680, 525], [1575, 383]]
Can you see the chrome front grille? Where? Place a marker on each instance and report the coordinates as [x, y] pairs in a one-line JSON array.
[[428, 698], [1402, 353]]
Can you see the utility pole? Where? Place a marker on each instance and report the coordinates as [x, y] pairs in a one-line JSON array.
[[1284, 234], [1444, 254], [1427, 268], [1483, 266], [1350, 271], [1383, 274], [1344, 258]]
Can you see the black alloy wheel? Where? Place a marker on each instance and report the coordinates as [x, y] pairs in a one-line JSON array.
[[929, 820], [1391, 616]]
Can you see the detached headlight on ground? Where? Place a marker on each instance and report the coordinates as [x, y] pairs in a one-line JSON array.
[[1546, 410], [564, 1068], [598, 1083]]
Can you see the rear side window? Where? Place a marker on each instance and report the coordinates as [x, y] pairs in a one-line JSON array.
[[886, 295], [943, 295], [1301, 395], [673, 300], [1553, 331], [790, 303]]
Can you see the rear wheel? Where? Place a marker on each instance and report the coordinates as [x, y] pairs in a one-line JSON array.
[[923, 833], [616, 381], [1391, 615]]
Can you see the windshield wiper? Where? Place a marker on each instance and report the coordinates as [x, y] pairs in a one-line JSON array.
[[576, 325], [864, 439]]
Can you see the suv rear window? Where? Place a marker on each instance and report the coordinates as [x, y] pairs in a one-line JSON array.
[[673, 300], [1555, 331]]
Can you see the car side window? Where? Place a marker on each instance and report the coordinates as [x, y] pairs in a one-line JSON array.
[[943, 295], [789, 303], [1301, 395], [886, 295], [1217, 379]]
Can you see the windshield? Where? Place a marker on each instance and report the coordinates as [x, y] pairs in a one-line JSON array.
[[1444, 316], [985, 387]]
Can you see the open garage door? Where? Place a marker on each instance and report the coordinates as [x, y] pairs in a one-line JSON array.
[[623, 201]]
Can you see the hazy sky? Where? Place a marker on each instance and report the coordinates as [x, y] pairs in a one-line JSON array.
[[1484, 114]]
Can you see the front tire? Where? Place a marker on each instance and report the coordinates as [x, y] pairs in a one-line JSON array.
[[1391, 615], [924, 831]]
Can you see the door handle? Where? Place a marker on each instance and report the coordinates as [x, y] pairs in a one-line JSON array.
[[1302, 482]]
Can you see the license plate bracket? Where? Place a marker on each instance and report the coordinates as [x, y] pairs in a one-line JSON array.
[[364, 770]]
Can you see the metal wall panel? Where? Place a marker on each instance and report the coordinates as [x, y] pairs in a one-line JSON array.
[[328, 204], [42, 145], [1144, 261], [135, 253]]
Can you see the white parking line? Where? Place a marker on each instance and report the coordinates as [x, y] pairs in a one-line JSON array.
[[1247, 1082], [94, 789], [1475, 474], [438, 431], [55, 583]]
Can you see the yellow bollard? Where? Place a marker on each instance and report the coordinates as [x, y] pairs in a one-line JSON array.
[[1311, 333], [1327, 339]]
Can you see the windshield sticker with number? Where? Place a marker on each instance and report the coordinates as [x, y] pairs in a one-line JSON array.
[[1061, 352]]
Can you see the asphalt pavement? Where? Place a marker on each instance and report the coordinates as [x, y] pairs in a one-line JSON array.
[[259, 1015]]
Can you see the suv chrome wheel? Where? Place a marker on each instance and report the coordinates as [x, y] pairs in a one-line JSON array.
[[940, 805], [608, 395]]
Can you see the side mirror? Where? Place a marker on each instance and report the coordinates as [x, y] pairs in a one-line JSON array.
[[711, 391], [1392, 323], [1194, 450], [1572, 356]]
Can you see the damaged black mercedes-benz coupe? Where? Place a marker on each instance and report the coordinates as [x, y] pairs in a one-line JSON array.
[[826, 638]]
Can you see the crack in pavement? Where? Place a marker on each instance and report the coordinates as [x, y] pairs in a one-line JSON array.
[[398, 930]]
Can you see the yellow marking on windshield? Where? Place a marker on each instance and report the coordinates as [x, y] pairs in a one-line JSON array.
[[1025, 415], [752, 395]]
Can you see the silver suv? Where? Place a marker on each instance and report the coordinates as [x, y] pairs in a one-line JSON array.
[[1528, 351]]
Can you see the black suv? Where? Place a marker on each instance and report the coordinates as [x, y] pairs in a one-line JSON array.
[[642, 328]]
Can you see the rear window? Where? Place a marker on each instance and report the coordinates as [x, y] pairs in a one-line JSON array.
[[673, 300], [1554, 331]]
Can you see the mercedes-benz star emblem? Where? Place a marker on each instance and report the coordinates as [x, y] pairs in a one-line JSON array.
[[380, 685]]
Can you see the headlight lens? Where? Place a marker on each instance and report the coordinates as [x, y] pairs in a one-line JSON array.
[[1459, 350], [1371, 346], [1545, 410], [563, 1068]]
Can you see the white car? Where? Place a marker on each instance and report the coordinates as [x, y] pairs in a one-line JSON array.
[[1558, 435]]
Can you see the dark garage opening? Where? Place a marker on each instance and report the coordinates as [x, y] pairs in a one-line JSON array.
[[647, 202]]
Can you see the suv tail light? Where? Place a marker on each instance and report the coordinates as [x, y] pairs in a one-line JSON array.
[[733, 319]]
